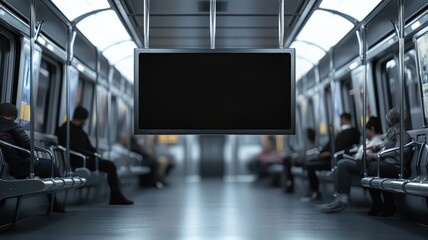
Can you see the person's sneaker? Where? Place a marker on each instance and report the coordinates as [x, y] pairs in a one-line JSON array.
[[334, 206], [311, 197], [120, 201]]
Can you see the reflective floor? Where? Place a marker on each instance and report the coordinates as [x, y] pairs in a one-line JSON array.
[[213, 210]]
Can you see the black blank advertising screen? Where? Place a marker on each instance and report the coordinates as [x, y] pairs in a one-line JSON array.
[[214, 91]]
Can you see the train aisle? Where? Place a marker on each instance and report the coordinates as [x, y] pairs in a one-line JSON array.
[[213, 210]]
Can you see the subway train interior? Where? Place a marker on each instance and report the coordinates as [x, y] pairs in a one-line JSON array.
[[63, 62]]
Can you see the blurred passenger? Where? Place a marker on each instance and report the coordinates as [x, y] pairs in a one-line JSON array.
[[149, 160], [259, 165], [345, 139], [351, 165], [288, 162], [79, 142], [389, 166], [18, 161], [164, 157]]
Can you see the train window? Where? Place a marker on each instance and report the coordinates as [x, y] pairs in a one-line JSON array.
[[43, 95], [348, 102], [73, 84], [4, 44], [7, 50], [294, 141], [391, 80], [358, 94], [24, 83], [309, 116], [102, 117], [123, 119], [412, 88], [326, 111], [411, 76], [412, 97]]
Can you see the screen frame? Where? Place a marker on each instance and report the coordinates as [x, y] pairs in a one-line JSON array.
[[290, 131], [421, 33]]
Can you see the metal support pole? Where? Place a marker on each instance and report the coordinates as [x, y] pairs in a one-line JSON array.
[[281, 24], [97, 81], [213, 16], [399, 30], [32, 82], [146, 23], [362, 43], [334, 102], [71, 36]]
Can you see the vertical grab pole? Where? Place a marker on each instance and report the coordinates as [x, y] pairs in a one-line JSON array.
[[213, 16], [399, 30], [334, 102], [281, 24], [146, 23], [362, 42], [32, 82], [97, 114], [71, 36]]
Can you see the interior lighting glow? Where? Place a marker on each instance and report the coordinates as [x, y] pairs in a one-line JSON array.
[[353, 65], [50, 47], [356, 9], [75, 8], [80, 67], [325, 29], [117, 52], [302, 67], [103, 29], [415, 25], [41, 40], [126, 67]]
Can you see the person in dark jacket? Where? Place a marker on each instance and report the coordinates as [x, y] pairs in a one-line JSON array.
[[79, 142], [345, 139], [18, 161]]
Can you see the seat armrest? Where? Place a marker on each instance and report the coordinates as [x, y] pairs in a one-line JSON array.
[[15, 147], [394, 149]]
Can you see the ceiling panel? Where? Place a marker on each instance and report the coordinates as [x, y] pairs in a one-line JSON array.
[[240, 23]]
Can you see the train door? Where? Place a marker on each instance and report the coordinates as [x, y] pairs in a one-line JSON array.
[[212, 156], [7, 55]]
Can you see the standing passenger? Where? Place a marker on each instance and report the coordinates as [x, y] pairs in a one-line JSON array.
[[79, 142]]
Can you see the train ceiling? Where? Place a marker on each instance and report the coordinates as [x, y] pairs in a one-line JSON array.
[[310, 26]]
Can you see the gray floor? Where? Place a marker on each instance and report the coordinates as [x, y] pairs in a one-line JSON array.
[[213, 210]]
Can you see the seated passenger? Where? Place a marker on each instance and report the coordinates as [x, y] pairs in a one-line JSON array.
[[389, 166], [345, 139], [164, 158], [287, 162], [19, 162], [266, 157], [79, 142], [351, 165], [155, 177]]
